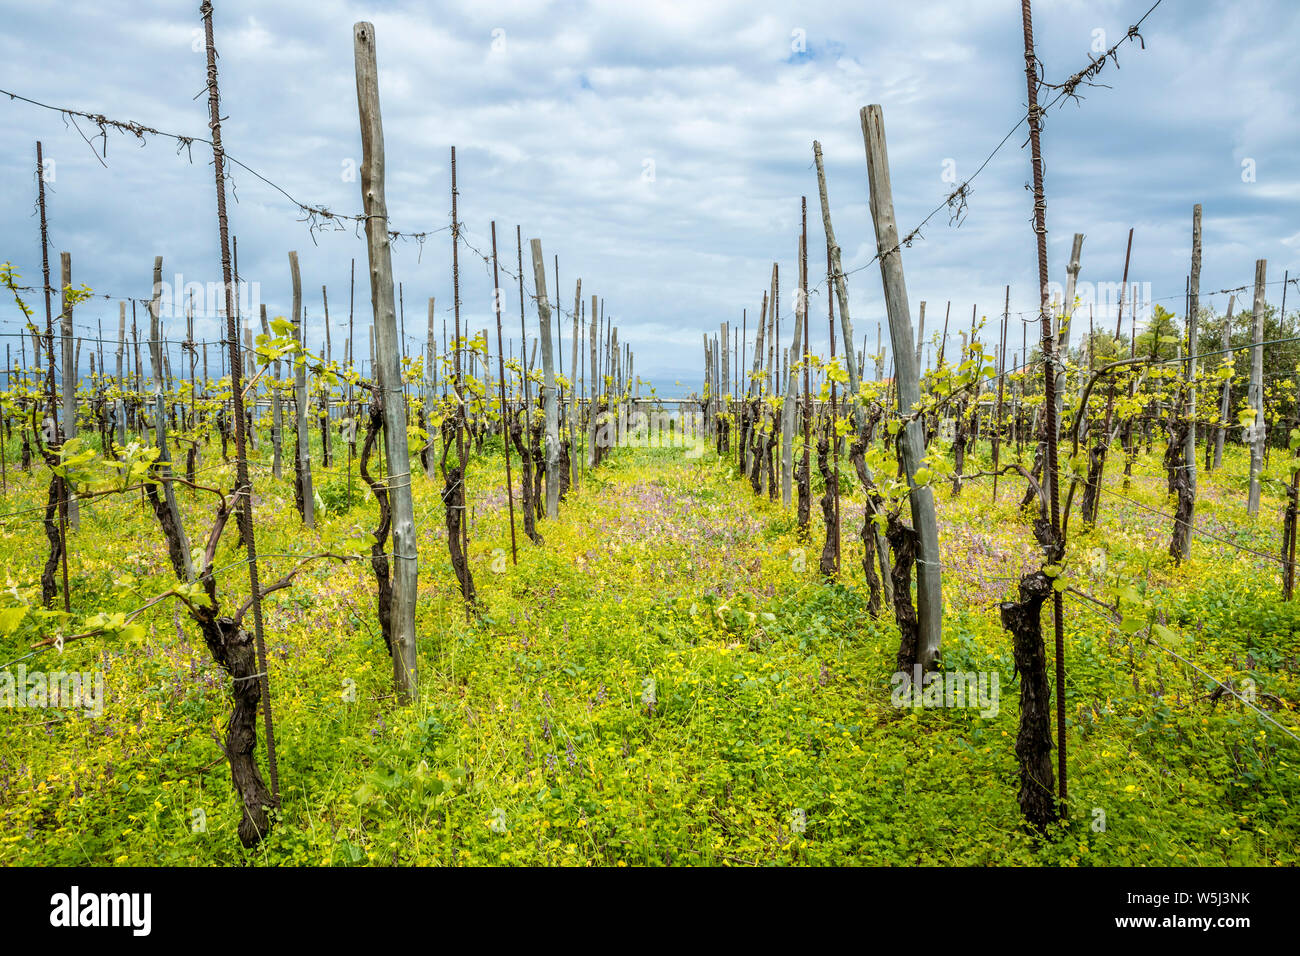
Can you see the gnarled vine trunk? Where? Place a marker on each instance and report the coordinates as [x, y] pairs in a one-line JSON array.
[[378, 550], [1034, 739], [526, 481], [903, 541], [830, 560]]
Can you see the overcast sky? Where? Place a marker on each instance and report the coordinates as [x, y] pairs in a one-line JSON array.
[[660, 150]]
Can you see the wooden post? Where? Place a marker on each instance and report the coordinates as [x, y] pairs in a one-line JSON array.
[[757, 387], [997, 415], [1184, 535], [69, 376], [593, 389], [548, 372], [277, 410], [501, 384], [920, 337], [1256, 395], [1225, 397], [805, 475], [329, 347], [880, 355], [327, 454], [250, 369], [841, 289], [302, 457], [791, 400], [401, 338], [121, 340], [431, 349], [155, 329], [724, 395], [706, 390], [574, 394], [774, 383], [1063, 333], [397, 454], [911, 440], [851, 364]]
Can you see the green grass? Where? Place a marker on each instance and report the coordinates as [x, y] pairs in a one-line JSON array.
[[533, 741]]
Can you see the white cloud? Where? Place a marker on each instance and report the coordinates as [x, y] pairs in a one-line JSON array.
[[553, 125]]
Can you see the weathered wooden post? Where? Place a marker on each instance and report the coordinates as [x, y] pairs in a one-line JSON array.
[[593, 457], [791, 400], [911, 439], [302, 454], [1063, 332], [920, 337], [69, 376], [841, 288], [250, 371], [574, 394], [121, 340], [1002, 370], [805, 466], [501, 385], [327, 451], [1225, 396], [548, 372], [724, 396], [1181, 546], [277, 410], [397, 455], [431, 351], [851, 365], [1256, 394]]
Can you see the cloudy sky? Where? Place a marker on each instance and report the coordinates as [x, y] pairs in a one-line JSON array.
[[659, 149]]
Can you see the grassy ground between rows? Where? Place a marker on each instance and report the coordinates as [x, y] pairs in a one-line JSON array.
[[667, 680]]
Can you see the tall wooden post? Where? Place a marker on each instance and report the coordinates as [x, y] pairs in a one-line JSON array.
[[1184, 533], [920, 337], [121, 341], [277, 409], [851, 365], [1225, 396], [593, 327], [431, 349], [250, 366], [724, 396], [1256, 394], [791, 398], [302, 457], [1067, 316], [550, 404], [388, 374], [841, 288], [790, 403], [574, 394], [501, 384], [911, 440], [69, 376]]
